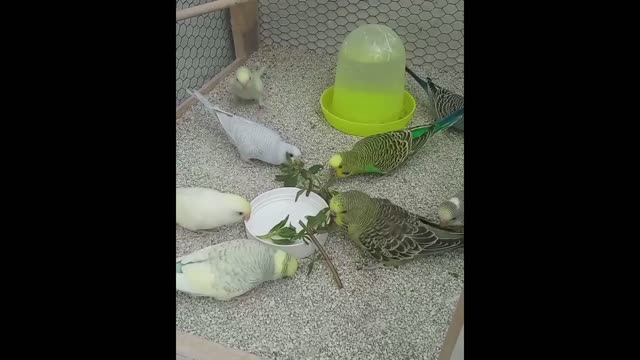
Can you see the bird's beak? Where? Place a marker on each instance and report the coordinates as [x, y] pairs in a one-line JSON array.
[[444, 223], [246, 216]]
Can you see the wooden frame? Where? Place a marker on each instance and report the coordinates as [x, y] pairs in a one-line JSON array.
[[453, 346], [190, 347], [244, 29]]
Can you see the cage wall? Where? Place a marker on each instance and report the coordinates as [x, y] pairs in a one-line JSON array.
[[204, 46], [433, 31]]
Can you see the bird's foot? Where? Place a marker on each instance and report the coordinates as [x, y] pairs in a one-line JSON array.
[[246, 161], [205, 231], [261, 110], [374, 266], [365, 266]]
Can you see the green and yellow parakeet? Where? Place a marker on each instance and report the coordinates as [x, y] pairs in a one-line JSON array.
[[388, 233], [230, 269], [383, 153], [248, 84]]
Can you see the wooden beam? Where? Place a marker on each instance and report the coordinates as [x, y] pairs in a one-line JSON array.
[[244, 26], [456, 326], [206, 8], [196, 348], [208, 86]]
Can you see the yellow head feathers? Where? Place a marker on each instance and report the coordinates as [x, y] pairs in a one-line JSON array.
[[336, 163], [243, 74], [285, 265]]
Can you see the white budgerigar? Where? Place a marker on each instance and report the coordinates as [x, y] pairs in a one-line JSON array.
[[205, 209], [451, 211], [230, 269], [248, 85], [253, 140]]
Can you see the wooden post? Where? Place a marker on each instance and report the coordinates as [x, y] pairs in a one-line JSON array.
[[244, 26], [453, 346], [190, 347], [208, 86], [206, 8]]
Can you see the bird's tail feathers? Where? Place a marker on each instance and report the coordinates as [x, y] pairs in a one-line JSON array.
[[448, 121], [207, 104], [423, 83]]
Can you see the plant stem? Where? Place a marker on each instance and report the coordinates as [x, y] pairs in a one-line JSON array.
[[334, 272]]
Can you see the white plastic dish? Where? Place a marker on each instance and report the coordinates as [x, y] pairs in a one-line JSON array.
[[271, 207]]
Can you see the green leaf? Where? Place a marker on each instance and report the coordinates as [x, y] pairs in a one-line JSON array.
[[309, 188], [315, 169], [312, 221], [297, 236], [279, 225], [281, 177], [287, 232], [304, 173], [291, 181], [284, 167], [282, 241], [298, 194], [265, 237]]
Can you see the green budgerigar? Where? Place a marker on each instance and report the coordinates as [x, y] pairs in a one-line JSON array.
[[388, 233], [232, 268], [383, 153], [441, 102]]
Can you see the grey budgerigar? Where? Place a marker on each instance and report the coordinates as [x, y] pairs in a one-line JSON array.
[[253, 140]]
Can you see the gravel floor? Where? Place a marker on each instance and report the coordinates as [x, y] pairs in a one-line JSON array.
[[380, 314]]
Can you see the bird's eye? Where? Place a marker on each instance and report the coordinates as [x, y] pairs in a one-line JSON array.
[[240, 213], [339, 166], [289, 155], [344, 212]]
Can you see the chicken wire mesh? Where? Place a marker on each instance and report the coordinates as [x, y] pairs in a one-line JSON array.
[[433, 31], [204, 46]]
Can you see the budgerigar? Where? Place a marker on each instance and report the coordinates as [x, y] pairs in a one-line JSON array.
[[383, 153], [248, 85], [253, 140], [442, 102], [232, 268], [451, 211], [200, 208], [388, 233]]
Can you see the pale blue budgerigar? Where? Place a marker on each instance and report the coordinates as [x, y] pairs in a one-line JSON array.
[[451, 211], [232, 268], [253, 140], [441, 102]]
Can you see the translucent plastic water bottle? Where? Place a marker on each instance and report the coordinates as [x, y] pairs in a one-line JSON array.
[[370, 76]]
